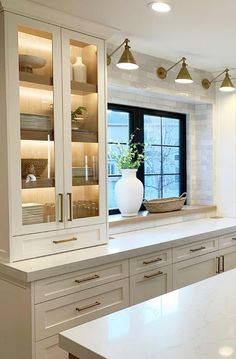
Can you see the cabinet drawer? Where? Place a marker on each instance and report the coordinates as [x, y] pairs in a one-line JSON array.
[[58, 286], [49, 349], [66, 312], [150, 284], [194, 270], [195, 249], [37, 245], [227, 241], [150, 261]]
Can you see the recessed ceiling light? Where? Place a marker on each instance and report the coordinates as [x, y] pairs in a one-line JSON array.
[[160, 6]]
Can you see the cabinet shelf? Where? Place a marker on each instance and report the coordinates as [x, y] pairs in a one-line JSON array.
[[40, 135], [81, 181], [32, 80], [40, 183], [81, 88], [84, 136]]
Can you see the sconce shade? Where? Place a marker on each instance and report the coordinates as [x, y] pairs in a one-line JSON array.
[[227, 85], [183, 76], [127, 61]]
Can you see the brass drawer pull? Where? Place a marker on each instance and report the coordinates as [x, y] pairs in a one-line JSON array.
[[153, 275], [66, 240], [88, 306], [87, 279], [152, 261], [222, 268], [61, 207], [197, 249], [234, 239]]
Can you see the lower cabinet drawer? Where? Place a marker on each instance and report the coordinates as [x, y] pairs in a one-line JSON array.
[[227, 241], [39, 244], [194, 249], [49, 349], [150, 261], [66, 312], [150, 284]]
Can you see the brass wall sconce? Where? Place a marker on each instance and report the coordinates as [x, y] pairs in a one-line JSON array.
[[127, 61], [183, 76], [226, 85]]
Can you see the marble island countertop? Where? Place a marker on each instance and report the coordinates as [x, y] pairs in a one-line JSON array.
[[123, 246], [195, 322]]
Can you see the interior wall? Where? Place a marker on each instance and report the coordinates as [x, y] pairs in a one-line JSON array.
[[142, 88]]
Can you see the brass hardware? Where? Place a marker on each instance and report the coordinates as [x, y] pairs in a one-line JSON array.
[[153, 275], [234, 239], [226, 85], [88, 306], [87, 279], [197, 249], [217, 265], [69, 194], [152, 261], [61, 206], [126, 61], [183, 75], [65, 240], [222, 259]]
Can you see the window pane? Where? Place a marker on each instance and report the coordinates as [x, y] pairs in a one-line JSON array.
[[114, 149], [152, 187], [111, 191], [152, 164], [171, 186], [152, 130], [118, 126], [170, 158], [170, 131]]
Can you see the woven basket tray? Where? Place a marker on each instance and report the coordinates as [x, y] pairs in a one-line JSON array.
[[165, 204]]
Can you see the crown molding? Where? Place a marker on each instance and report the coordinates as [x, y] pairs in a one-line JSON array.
[[56, 17]]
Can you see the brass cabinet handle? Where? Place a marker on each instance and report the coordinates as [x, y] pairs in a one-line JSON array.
[[152, 261], [88, 306], [61, 207], [65, 240], [197, 249], [217, 265], [222, 262], [234, 239], [95, 276], [69, 194], [153, 275]]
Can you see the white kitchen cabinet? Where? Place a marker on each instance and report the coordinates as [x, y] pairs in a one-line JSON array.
[[196, 269], [227, 259], [49, 349], [53, 159], [150, 284]]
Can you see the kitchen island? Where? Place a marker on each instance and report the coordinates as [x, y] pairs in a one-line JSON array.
[[195, 322]]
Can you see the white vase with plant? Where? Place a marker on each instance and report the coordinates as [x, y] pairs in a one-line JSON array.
[[129, 189]]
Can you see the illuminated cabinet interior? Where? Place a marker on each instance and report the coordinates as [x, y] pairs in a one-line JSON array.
[[57, 125]]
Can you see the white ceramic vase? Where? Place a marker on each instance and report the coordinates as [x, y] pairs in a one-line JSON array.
[[79, 70], [129, 193]]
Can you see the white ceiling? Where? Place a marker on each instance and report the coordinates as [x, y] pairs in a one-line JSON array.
[[203, 31]]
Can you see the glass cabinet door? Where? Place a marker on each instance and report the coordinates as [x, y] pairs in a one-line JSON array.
[[40, 130], [83, 116]]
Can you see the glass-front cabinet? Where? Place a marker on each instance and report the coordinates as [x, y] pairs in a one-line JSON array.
[[57, 125]]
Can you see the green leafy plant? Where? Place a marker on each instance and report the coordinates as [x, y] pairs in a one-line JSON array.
[[77, 112], [129, 156]]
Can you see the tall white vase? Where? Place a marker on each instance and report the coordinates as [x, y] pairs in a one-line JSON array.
[[129, 193], [79, 70]]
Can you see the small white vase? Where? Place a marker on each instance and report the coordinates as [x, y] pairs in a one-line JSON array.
[[79, 70], [129, 193]]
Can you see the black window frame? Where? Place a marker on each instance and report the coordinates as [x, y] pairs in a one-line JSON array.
[[136, 120]]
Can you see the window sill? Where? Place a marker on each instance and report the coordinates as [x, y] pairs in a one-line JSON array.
[[119, 224]]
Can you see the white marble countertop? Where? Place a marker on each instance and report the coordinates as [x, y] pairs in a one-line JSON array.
[[195, 322], [123, 246]]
